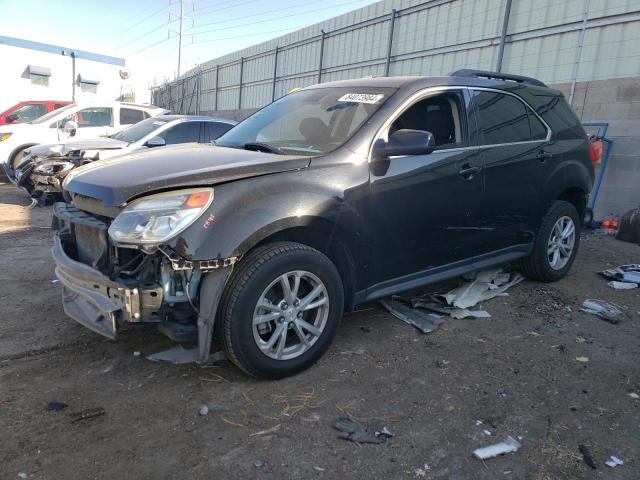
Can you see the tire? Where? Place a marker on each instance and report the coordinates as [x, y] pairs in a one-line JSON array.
[[539, 265], [259, 277], [18, 157]]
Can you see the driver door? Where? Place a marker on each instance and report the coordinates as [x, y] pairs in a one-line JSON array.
[[92, 123], [424, 208]]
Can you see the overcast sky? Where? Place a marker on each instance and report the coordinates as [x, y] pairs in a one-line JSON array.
[[128, 28]]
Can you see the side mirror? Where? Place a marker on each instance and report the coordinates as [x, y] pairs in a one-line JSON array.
[[404, 142], [70, 128], [11, 118], [155, 142]]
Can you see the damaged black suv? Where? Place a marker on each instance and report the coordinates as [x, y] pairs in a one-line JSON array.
[[332, 196]]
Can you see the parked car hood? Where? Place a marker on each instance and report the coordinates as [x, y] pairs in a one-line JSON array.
[[103, 143], [118, 180]]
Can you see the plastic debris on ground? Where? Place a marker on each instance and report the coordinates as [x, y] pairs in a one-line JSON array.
[[179, 355], [607, 311], [204, 410], [622, 285], [510, 445], [456, 303], [613, 462], [356, 432], [425, 322], [586, 456], [629, 273], [56, 406]]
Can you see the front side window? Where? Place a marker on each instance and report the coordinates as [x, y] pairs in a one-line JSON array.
[[27, 113], [90, 117], [441, 114], [139, 130], [129, 116], [504, 118], [313, 122], [186, 132]]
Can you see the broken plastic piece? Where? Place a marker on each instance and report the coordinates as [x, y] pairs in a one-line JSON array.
[[385, 433], [586, 456], [605, 310], [356, 432], [425, 322], [56, 406], [177, 355], [622, 285], [613, 462], [487, 284], [510, 445]]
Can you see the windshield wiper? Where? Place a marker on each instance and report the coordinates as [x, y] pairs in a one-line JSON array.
[[261, 147]]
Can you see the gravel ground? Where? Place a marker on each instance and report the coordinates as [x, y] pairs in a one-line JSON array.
[[430, 390]]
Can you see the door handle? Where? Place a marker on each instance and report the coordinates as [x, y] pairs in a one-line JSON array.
[[468, 171], [543, 156]]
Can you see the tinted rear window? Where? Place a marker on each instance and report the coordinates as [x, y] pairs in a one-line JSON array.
[[503, 118]]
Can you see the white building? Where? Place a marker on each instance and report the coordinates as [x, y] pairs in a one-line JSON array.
[[40, 71]]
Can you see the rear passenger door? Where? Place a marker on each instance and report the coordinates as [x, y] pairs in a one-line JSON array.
[[213, 130], [184, 132], [514, 144]]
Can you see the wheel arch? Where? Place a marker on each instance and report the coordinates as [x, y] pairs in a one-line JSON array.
[[331, 240], [577, 197]]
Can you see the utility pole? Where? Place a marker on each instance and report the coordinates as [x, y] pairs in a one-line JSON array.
[[180, 18]]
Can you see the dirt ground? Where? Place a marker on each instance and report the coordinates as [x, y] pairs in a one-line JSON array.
[[430, 390]]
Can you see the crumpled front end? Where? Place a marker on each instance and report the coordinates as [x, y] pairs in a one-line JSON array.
[[42, 171], [105, 286]]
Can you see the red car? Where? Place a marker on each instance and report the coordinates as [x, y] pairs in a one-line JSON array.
[[29, 110]]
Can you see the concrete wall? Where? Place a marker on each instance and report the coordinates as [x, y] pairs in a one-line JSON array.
[[616, 101]]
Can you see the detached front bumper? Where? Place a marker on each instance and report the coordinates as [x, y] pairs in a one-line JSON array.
[[88, 296], [98, 303]]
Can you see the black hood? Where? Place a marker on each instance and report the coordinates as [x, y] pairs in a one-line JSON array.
[[116, 181]]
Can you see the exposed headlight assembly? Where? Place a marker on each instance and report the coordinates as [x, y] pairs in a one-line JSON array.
[[53, 168], [155, 219]]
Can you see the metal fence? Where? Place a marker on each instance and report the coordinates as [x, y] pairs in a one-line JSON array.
[[558, 41]]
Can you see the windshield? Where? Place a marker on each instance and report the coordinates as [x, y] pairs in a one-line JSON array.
[[53, 113], [139, 130], [314, 121]]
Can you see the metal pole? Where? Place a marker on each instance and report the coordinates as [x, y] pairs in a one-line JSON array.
[[240, 86], [215, 97], [73, 75], [275, 74], [392, 21], [321, 54], [199, 90], [180, 35], [503, 35], [576, 66]]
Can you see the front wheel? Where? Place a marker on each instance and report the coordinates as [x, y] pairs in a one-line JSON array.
[[280, 310], [556, 244]]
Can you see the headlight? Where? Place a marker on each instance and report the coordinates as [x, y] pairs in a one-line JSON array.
[[53, 168], [157, 218], [4, 136]]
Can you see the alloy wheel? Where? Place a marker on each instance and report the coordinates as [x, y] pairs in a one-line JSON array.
[[290, 315], [561, 242]]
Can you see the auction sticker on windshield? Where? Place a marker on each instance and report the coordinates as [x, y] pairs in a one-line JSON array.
[[361, 97]]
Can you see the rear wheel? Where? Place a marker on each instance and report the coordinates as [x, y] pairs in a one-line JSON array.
[[280, 310], [556, 244]]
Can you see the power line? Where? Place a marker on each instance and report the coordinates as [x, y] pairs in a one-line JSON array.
[[248, 35], [253, 15], [155, 29], [141, 21], [278, 17], [218, 9], [149, 46]]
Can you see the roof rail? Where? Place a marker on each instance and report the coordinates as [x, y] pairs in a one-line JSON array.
[[497, 76]]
